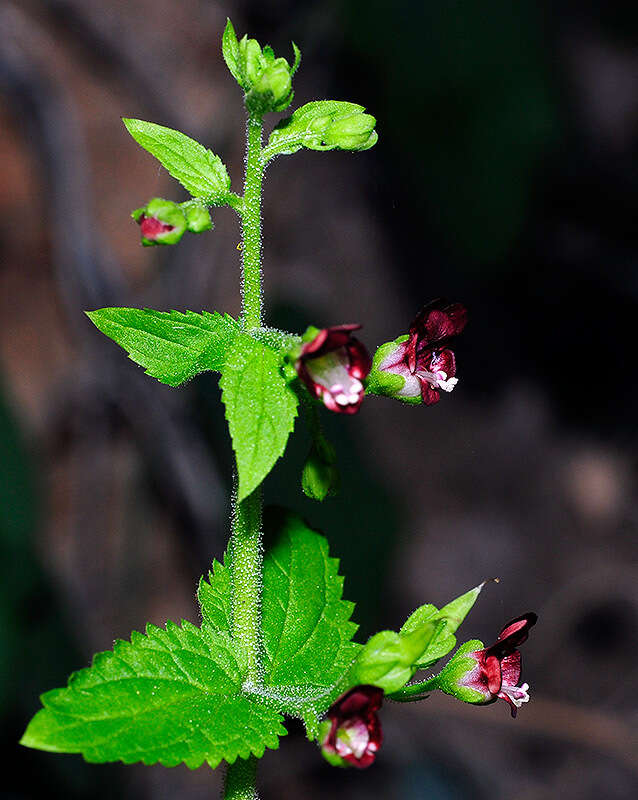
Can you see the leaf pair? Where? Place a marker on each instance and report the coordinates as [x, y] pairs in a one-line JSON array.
[[177, 695], [173, 347], [390, 659]]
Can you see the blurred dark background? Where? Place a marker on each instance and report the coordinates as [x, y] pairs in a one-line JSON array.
[[505, 177]]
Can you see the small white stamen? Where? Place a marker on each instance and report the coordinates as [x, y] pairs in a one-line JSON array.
[[438, 380], [448, 385], [517, 694]]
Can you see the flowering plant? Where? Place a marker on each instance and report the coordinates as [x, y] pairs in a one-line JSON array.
[[276, 637]]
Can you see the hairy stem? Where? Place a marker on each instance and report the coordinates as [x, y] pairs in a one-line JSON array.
[[241, 779], [245, 545], [246, 563], [251, 227]]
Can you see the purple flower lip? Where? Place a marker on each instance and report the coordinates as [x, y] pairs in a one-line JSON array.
[[355, 734], [424, 360], [498, 667], [333, 366]]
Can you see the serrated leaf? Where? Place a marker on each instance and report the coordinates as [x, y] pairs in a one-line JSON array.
[[198, 169], [307, 127], [171, 696], [172, 346], [260, 409], [307, 627], [214, 598]]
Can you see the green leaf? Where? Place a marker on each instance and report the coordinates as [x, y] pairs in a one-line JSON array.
[[172, 346], [450, 617], [199, 170], [323, 125], [171, 696], [214, 598], [307, 627], [389, 659], [230, 51], [260, 409]]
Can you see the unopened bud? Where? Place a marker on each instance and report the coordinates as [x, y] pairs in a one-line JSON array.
[[161, 222], [197, 218], [352, 132], [320, 476]]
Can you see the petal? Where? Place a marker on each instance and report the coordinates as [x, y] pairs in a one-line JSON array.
[[430, 396], [360, 361], [513, 635], [361, 700], [492, 667], [329, 339], [511, 669], [439, 320], [438, 361]]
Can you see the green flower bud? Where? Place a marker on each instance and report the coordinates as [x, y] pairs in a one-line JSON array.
[[197, 218], [267, 80], [251, 60], [161, 222], [352, 132], [320, 476]]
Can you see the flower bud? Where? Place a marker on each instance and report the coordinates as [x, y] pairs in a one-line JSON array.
[[320, 476], [197, 218], [266, 80], [161, 222], [353, 132], [351, 735]]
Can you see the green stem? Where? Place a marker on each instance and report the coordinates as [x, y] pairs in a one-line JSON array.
[[245, 545], [241, 778], [251, 228], [415, 691], [246, 561]]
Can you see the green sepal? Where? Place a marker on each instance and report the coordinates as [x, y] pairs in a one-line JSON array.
[[197, 218], [333, 759], [323, 125], [385, 383], [297, 60], [449, 680]]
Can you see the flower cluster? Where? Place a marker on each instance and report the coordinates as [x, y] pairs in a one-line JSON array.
[[351, 735], [416, 367]]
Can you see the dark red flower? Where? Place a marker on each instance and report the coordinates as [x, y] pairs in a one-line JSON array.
[[333, 365], [423, 358], [351, 735], [497, 669]]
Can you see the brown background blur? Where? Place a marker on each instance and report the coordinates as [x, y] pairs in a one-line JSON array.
[[505, 177]]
